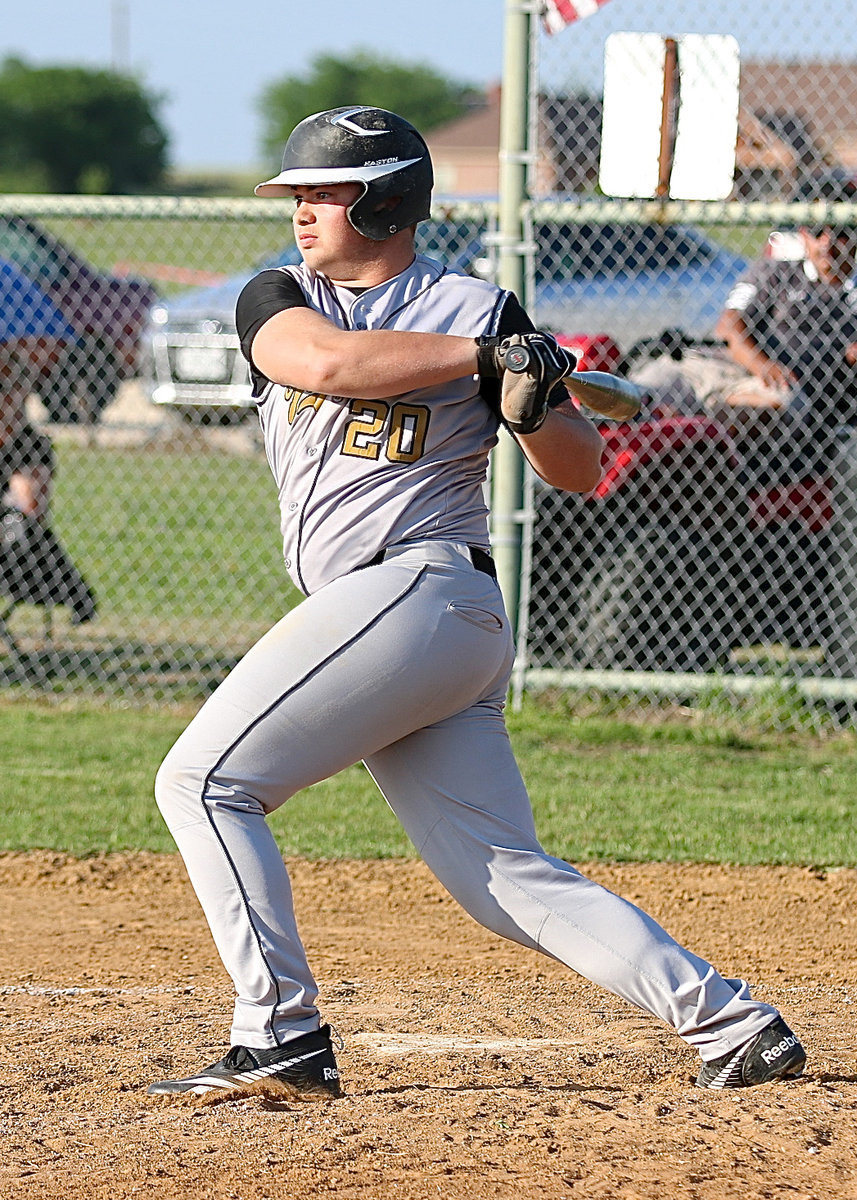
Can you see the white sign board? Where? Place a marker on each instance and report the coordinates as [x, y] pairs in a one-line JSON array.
[[704, 108]]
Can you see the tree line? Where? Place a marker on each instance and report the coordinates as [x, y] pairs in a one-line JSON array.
[[73, 130]]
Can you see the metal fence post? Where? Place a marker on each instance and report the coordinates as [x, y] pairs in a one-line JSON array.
[[508, 469]]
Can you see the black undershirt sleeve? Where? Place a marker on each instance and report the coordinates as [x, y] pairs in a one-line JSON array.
[[263, 297], [513, 319]]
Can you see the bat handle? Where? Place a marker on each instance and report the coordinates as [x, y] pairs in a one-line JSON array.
[[516, 359]]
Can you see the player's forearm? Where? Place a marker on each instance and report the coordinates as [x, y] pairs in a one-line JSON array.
[[566, 450], [748, 355], [301, 349]]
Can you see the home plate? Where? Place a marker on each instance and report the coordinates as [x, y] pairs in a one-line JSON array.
[[428, 1043]]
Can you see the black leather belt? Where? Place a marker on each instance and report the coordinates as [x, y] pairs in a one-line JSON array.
[[480, 558], [482, 561]]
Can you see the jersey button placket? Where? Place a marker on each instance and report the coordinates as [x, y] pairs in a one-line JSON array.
[[358, 316]]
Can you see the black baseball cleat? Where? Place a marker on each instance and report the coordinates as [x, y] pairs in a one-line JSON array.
[[302, 1069], [775, 1053]]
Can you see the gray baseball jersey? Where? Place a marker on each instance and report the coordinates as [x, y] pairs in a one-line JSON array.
[[353, 475], [404, 664]]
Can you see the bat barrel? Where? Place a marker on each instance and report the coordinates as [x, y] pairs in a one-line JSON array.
[[606, 394]]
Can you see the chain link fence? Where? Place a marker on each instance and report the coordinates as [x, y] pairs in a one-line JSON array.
[[164, 512], [722, 538], [139, 554], [718, 555]]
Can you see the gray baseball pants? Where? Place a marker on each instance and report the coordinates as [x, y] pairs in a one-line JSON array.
[[404, 665]]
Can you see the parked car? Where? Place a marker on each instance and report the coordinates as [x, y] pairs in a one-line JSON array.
[[191, 361], [108, 313], [634, 280]]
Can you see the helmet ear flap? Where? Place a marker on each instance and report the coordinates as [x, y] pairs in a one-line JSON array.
[[394, 201], [386, 209]]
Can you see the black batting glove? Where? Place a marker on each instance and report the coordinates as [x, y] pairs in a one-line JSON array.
[[529, 366]]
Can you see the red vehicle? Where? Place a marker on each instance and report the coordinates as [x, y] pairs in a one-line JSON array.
[[691, 547]]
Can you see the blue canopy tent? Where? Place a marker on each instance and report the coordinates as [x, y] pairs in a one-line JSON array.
[[26, 314]]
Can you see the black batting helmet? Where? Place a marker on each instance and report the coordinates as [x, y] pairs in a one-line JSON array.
[[370, 146]]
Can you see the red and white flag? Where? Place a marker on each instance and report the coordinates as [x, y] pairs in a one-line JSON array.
[[559, 13]]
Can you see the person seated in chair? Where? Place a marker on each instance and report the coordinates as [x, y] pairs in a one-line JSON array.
[[26, 461], [34, 567], [791, 323]]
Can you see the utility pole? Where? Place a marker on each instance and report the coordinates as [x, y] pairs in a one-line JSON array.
[[120, 37]]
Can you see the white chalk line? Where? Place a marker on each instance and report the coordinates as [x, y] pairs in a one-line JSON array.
[[33, 990], [404, 1043], [390, 1044]]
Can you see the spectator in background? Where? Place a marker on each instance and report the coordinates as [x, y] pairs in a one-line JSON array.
[[33, 332], [791, 324], [34, 567], [26, 461]]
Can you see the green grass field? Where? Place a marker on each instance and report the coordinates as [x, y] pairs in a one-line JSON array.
[[78, 778], [188, 536], [132, 245], [182, 547]]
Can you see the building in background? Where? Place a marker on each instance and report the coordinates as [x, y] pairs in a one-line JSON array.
[[797, 138]]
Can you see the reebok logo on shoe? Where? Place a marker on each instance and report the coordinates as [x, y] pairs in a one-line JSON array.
[[304, 1069], [775, 1052]]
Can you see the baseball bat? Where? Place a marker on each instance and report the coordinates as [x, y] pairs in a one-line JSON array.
[[608, 395], [599, 391]]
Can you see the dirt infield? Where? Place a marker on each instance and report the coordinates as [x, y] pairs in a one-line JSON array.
[[472, 1068]]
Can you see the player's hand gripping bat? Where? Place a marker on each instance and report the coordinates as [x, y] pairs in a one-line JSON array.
[[541, 358], [531, 364]]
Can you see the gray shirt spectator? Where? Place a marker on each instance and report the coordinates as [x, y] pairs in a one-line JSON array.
[[795, 322]]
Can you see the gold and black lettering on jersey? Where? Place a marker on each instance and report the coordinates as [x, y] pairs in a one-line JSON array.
[[399, 429], [298, 401]]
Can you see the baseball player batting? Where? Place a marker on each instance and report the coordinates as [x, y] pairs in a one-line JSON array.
[[381, 379]]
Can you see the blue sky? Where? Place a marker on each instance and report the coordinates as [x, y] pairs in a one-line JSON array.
[[211, 58]]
